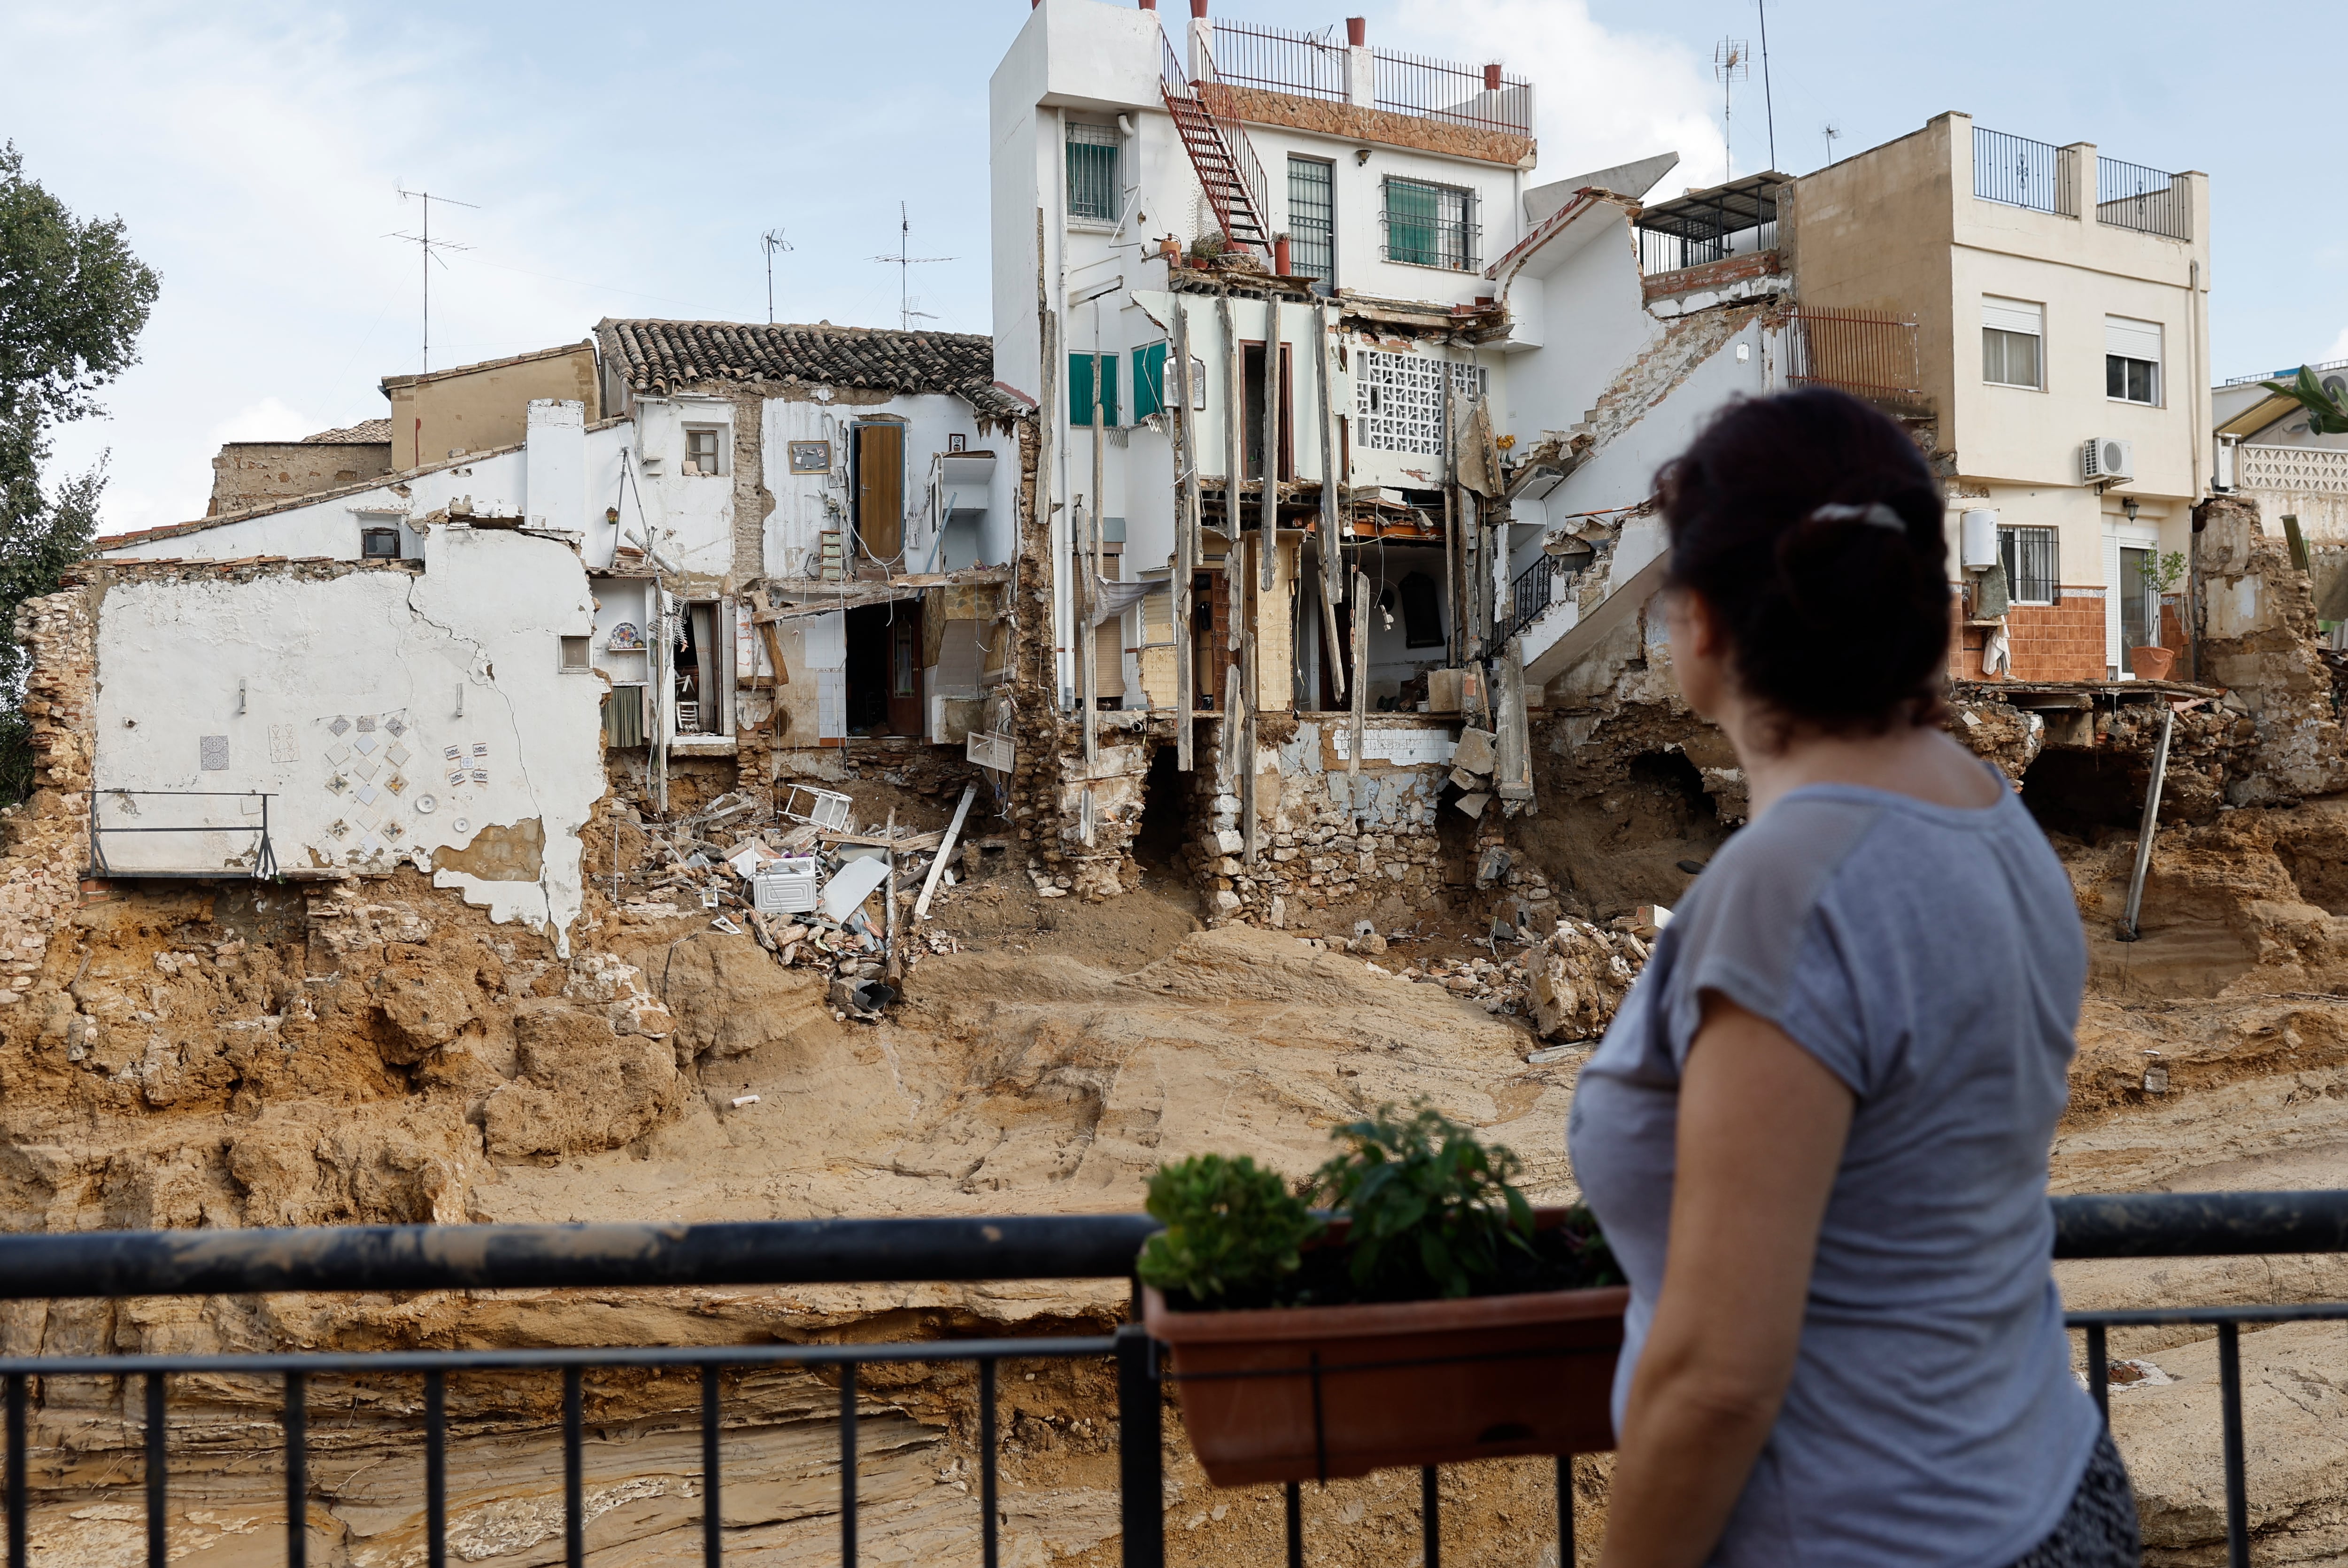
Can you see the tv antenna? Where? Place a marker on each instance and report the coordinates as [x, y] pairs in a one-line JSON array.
[[1768, 98], [770, 241], [905, 301], [1832, 130], [1731, 62], [430, 249]]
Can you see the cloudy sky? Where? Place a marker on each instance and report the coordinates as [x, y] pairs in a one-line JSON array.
[[623, 161]]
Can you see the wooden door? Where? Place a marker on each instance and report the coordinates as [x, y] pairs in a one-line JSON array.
[[880, 490], [905, 667]]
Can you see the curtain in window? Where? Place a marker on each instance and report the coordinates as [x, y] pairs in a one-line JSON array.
[[1413, 223], [2030, 556]]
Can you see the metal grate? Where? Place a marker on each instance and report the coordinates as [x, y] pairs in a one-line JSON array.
[[1092, 172], [2130, 196], [1305, 65], [1428, 225], [1484, 98], [1869, 353], [1312, 218], [2033, 561], [1398, 398], [2020, 172]]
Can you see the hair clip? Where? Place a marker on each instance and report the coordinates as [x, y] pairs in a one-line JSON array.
[[1875, 513]]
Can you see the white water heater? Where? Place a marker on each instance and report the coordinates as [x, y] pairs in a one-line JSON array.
[[1979, 542]]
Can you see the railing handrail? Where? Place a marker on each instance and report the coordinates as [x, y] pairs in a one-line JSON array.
[[545, 1257], [333, 1258]]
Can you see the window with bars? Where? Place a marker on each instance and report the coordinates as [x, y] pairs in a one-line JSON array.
[[1398, 398], [1428, 225], [1312, 218], [2031, 559], [1092, 172]]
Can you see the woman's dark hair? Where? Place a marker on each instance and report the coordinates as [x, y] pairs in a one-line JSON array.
[[1837, 610]]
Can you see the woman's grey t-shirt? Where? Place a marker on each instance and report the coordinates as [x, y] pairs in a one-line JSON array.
[[1930, 958]]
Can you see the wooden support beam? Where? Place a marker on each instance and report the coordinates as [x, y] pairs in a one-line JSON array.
[[1186, 541], [1250, 674], [945, 853], [1235, 464], [1361, 728], [1268, 515], [1332, 479]]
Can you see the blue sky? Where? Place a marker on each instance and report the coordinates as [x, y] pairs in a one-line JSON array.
[[624, 160]]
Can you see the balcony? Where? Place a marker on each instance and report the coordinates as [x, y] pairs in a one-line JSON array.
[[2015, 171], [620, 1417], [1712, 247]]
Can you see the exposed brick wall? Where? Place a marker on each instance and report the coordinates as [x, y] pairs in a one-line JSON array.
[[48, 837], [1716, 274]]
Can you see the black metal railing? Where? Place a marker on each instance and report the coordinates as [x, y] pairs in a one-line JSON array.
[[2130, 196], [1867, 353], [1661, 251], [1485, 98], [545, 1257], [1530, 595], [254, 856], [1305, 65], [2020, 172]]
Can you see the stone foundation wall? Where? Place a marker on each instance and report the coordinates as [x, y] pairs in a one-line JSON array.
[[47, 836]]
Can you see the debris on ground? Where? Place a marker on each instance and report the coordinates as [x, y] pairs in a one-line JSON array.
[[805, 884]]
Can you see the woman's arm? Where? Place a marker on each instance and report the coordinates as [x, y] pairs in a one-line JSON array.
[[1761, 1129]]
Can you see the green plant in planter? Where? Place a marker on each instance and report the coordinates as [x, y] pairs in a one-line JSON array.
[[1234, 1232], [1432, 1210], [2162, 572]]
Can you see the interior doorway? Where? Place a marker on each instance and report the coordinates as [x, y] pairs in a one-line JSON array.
[[883, 668]]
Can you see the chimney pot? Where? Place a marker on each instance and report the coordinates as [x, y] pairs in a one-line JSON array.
[[1198, 8], [1492, 78], [1280, 254], [1150, 4], [1357, 30]]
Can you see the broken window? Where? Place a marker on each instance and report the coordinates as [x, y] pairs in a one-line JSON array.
[[1152, 390], [1092, 173], [380, 544], [704, 452], [2031, 558]]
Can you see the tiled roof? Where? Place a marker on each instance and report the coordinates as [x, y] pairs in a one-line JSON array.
[[361, 434], [659, 357]]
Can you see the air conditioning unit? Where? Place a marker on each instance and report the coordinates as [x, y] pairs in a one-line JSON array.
[[2107, 459]]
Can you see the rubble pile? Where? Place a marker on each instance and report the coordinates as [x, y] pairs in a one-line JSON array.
[[1568, 982], [804, 885]]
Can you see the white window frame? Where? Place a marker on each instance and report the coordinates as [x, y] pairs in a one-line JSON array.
[[717, 445], [2120, 535], [2126, 339], [2015, 318]]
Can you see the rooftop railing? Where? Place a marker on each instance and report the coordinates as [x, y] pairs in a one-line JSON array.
[[1485, 98], [2020, 172], [593, 1381], [2130, 196], [1308, 65]]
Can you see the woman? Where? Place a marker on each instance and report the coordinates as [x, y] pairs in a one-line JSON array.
[[1833, 1091]]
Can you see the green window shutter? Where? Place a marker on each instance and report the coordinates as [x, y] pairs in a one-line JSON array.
[[1414, 217], [1148, 381], [1080, 389]]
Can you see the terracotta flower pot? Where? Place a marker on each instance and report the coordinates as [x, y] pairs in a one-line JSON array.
[[2152, 663], [1312, 1393]]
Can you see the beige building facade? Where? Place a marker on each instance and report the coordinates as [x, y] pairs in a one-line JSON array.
[[2061, 359], [479, 407]]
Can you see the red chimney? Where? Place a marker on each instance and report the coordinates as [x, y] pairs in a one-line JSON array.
[[1198, 8], [1492, 78], [1357, 30], [1150, 4], [1280, 254]]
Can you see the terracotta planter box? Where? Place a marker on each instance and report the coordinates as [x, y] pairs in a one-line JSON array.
[[1312, 1393], [2152, 663]]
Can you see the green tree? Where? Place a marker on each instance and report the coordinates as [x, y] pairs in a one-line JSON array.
[[72, 300]]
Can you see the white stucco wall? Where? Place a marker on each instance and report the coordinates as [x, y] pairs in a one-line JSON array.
[[285, 672]]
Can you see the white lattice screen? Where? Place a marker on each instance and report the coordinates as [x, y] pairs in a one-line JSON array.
[[1398, 398]]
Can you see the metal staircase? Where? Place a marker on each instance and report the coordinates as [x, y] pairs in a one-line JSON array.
[[1220, 152]]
